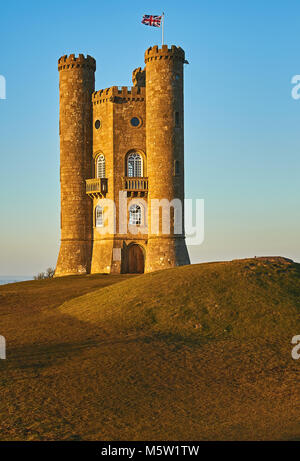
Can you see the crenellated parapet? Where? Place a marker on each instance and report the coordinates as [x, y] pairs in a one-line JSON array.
[[139, 77], [119, 95], [154, 53], [73, 62]]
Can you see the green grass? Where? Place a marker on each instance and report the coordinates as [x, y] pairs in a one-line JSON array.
[[192, 353]]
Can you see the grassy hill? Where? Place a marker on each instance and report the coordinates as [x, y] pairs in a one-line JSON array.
[[192, 353]]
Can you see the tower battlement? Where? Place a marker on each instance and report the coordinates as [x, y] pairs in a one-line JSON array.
[[115, 93], [139, 77], [154, 52], [71, 62]]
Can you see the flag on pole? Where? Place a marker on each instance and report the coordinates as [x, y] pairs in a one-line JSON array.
[[150, 20]]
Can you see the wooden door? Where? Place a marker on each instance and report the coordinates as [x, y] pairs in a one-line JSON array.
[[135, 260]]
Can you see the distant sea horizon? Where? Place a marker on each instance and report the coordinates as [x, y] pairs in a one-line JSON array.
[[5, 279]]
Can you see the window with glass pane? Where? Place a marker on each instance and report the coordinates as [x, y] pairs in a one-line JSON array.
[[99, 216], [134, 165], [135, 215], [101, 166]]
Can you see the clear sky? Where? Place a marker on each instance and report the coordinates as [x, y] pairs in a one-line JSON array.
[[241, 124]]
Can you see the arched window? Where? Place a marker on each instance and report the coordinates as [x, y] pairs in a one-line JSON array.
[[135, 215], [99, 216], [100, 166], [134, 165]]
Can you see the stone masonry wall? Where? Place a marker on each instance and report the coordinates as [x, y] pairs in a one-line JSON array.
[[115, 138]]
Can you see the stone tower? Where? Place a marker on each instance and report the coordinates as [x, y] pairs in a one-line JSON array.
[[122, 146], [76, 85], [165, 152]]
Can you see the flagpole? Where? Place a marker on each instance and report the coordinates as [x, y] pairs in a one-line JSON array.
[[162, 29]]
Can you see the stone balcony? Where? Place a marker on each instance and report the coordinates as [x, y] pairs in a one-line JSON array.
[[96, 187], [136, 186]]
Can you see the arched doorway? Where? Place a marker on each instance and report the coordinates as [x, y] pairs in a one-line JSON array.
[[136, 260]]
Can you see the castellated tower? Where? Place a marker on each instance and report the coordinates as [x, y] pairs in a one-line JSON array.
[[122, 168], [165, 152], [76, 85]]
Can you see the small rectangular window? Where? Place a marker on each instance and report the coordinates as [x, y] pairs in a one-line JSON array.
[[177, 120], [176, 167]]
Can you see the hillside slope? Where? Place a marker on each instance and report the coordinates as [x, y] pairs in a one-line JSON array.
[[197, 352]]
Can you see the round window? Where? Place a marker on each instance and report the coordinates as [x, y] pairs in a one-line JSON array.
[[97, 124], [135, 121]]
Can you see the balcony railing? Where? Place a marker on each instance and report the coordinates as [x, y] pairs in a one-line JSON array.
[[136, 184], [96, 187]]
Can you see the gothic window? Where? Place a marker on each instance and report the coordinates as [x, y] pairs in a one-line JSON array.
[[135, 215], [99, 216], [100, 166], [134, 165]]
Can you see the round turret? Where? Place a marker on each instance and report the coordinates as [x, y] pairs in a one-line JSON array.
[[76, 85], [165, 152]]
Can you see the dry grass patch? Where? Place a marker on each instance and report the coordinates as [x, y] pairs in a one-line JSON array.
[[197, 352]]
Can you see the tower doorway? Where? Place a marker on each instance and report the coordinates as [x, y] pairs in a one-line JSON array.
[[135, 259]]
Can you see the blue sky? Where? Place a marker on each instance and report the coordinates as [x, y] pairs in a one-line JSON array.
[[241, 123]]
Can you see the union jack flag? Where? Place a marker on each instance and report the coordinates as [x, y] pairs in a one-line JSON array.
[[150, 20]]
